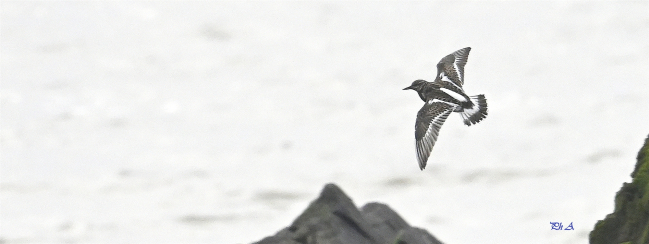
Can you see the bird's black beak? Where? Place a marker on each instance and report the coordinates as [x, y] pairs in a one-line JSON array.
[[408, 88]]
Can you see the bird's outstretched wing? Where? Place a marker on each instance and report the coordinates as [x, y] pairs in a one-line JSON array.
[[451, 67], [430, 119]]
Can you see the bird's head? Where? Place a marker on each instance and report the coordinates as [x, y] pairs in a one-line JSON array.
[[416, 85]]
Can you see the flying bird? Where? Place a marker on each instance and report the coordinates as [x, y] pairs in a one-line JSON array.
[[443, 96]]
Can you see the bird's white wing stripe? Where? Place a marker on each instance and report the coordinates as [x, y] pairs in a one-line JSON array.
[[443, 77], [456, 86], [453, 94], [457, 70], [440, 101], [426, 144]]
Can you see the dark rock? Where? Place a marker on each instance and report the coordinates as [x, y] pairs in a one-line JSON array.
[[413, 235], [629, 222], [334, 219], [383, 219]]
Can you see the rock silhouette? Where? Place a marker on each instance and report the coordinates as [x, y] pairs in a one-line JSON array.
[[334, 219], [629, 222]]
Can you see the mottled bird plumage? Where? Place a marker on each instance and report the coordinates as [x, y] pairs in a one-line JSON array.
[[443, 96]]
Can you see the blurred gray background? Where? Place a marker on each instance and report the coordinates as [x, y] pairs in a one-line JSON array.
[[218, 122]]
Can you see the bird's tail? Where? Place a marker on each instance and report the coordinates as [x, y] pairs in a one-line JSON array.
[[477, 112]]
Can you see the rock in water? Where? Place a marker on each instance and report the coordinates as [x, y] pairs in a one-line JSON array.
[[334, 219], [629, 222]]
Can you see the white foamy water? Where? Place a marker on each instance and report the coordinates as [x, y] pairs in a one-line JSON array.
[[218, 122]]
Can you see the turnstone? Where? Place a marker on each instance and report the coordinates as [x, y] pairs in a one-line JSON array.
[[443, 96]]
